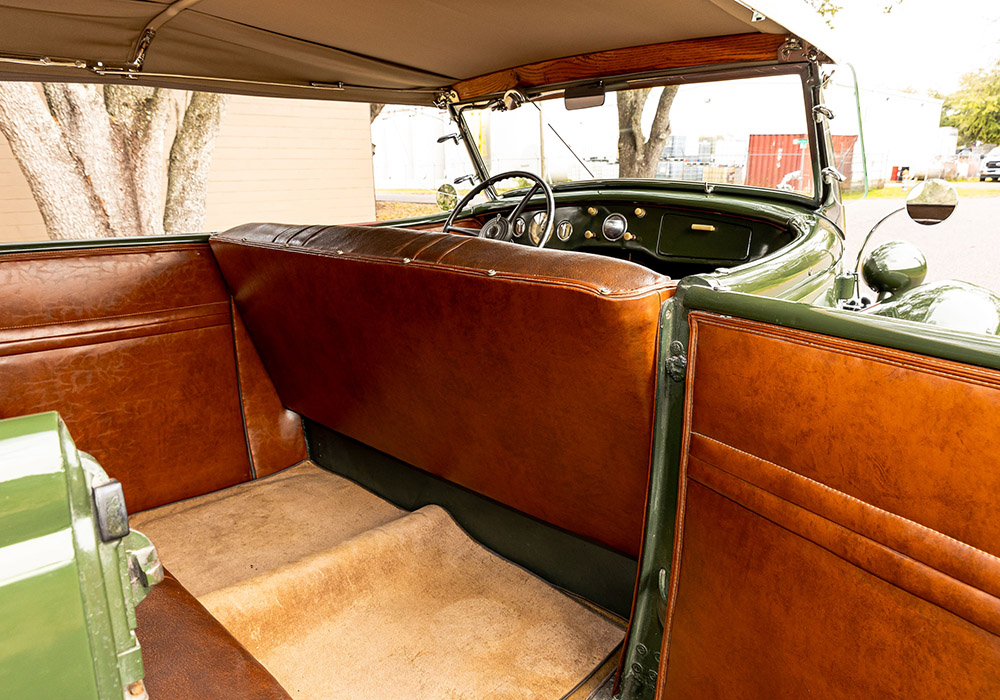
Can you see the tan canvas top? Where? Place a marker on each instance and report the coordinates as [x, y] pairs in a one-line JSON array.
[[403, 51]]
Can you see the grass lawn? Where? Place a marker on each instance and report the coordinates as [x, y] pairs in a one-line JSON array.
[[899, 192], [388, 211]]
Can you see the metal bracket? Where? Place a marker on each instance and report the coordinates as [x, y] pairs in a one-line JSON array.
[[676, 364], [109, 506], [512, 99], [820, 111], [445, 98], [795, 50], [830, 174]]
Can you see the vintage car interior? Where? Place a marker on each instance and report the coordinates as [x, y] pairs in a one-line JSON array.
[[502, 461]]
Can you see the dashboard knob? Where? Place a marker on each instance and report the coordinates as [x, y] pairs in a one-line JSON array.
[[588, 234], [592, 211], [629, 237]]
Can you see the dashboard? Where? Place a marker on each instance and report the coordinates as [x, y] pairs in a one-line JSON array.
[[671, 240]]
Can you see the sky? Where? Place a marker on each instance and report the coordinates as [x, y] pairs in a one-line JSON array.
[[923, 44]]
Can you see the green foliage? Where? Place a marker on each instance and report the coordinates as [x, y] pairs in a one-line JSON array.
[[974, 109], [828, 9]]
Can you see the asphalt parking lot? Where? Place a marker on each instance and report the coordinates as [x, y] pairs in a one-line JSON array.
[[965, 247]]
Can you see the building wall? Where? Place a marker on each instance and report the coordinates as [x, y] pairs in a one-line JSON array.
[[291, 161], [287, 161], [19, 217]]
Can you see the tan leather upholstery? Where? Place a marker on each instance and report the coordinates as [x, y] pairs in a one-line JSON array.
[[838, 525], [525, 375], [188, 655], [134, 346]]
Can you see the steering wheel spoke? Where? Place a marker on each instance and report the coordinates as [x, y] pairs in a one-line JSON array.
[[500, 228]]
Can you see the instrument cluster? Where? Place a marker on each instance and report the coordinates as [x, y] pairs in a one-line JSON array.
[[653, 236]]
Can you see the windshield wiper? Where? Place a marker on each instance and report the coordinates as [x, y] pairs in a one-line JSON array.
[[559, 136]]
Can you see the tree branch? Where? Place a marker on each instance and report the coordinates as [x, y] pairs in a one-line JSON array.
[[659, 132], [190, 158]]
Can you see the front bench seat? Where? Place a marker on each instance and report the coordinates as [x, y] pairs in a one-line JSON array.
[[188, 655], [526, 375]]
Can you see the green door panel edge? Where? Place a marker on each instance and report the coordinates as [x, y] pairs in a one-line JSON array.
[[67, 598], [924, 339], [638, 673], [90, 243]]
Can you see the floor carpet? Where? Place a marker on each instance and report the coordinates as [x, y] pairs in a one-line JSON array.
[[341, 595]]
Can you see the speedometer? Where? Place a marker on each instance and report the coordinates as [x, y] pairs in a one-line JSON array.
[[536, 229]]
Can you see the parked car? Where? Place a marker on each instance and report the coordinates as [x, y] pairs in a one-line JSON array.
[[614, 437], [990, 168]]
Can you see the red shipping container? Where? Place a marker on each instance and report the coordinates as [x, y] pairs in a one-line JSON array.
[[783, 161]]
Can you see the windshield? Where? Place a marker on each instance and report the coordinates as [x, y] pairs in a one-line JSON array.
[[750, 132]]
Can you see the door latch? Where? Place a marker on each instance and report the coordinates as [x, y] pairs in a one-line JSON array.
[[676, 364]]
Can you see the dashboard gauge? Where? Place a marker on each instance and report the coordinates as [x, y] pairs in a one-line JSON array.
[[519, 226], [537, 227], [564, 230], [614, 227]]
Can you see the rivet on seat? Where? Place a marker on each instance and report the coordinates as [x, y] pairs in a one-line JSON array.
[[604, 290], [406, 261], [340, 252], [491, 273]]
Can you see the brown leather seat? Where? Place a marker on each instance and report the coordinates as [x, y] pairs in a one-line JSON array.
[[188, 655], [525, 375]]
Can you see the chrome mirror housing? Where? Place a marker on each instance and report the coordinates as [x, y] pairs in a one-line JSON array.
[[931, 202]]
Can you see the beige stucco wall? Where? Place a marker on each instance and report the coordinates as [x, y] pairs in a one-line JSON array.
[[288, 161]]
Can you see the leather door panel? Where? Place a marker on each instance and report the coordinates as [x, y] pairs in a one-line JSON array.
[[838, 525]]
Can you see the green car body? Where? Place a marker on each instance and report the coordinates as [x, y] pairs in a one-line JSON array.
[[67, 598]]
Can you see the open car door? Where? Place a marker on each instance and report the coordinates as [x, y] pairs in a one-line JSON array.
[[837, 493]]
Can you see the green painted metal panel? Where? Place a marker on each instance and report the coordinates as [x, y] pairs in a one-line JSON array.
[[67, 597]]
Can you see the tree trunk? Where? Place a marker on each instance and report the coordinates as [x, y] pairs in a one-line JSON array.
[[65, 194], [80, 111], [376, 109], [639, 156], [190, 158], [139, 117]]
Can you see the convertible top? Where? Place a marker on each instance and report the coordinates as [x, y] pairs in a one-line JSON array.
[[398, 51]]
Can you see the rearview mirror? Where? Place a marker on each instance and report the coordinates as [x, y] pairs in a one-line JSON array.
[[584, 96], [931, 202]]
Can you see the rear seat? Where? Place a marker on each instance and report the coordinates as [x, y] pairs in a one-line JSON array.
[[188, 655], [525, 375]]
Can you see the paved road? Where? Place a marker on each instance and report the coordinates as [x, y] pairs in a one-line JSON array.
[[965, 247]]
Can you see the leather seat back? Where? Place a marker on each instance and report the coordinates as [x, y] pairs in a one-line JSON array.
[[525, 375]]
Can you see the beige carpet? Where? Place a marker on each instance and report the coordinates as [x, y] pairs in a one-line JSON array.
[[216, 540], [387, 604]]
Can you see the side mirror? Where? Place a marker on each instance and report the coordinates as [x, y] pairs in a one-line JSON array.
[[447, 197], [931, 202], [896, 266]]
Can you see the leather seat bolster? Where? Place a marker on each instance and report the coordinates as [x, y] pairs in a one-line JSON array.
[[594, 273], [189, 655]]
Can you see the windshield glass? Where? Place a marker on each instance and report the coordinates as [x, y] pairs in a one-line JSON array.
[[750, 132]]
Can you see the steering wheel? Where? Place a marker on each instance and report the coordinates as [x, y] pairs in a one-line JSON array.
[[500, 228]]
